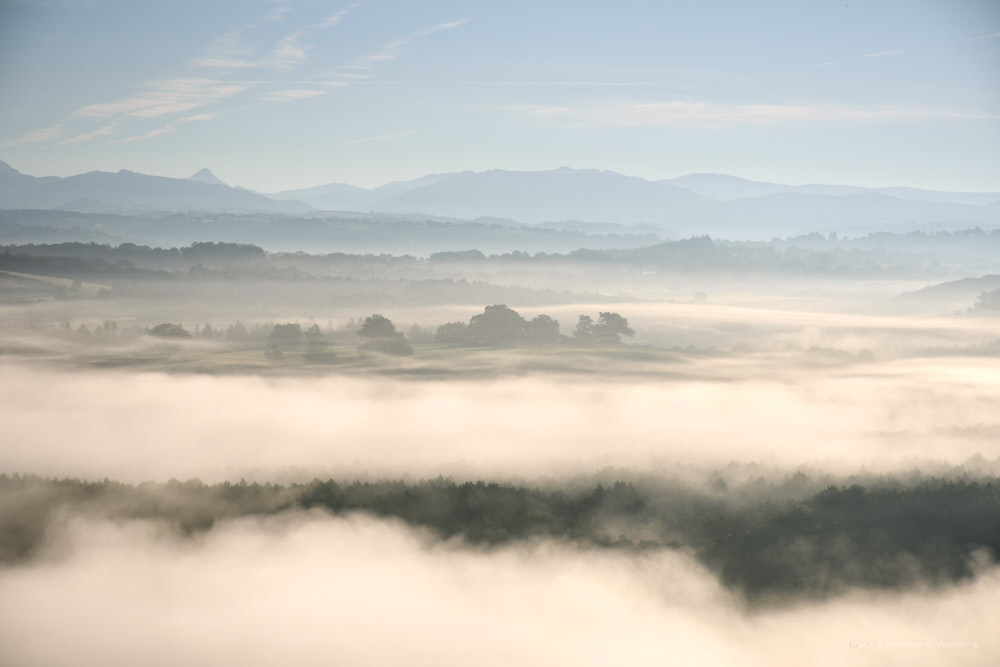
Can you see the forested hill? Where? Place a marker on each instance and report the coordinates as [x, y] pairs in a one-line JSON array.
[[770, 540]]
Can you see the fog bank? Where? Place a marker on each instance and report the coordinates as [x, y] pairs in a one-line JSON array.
[[139, 426], [311, 589]]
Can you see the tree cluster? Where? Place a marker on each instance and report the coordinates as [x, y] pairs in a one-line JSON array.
[[289, 338], [502, 326], [169, 330], [607, 330], [988, 303]]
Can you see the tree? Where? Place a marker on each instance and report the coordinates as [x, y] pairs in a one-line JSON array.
[[286, 334], [543, 329], [497, 325], [988, 303], [237, 331], [167, 330], [381, 336], [317, 349], [584, 328], [453, 333], [419, 334], [610, 326], [377, 326], [607, 330]]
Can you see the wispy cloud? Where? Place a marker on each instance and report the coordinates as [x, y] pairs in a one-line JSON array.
[[167, 97], [277, 13], [226, 53], [443, 26], [990, 36], [44, 134], [336, 18], [209, 78], [341, 78], [87, 136], [170, 127], [720, 116], [567, 84], [166, 129], [293, 95], [880, 54], [545, 111], [206, 79], [288, 54], [381, 137], [198, 118], [392, 50]]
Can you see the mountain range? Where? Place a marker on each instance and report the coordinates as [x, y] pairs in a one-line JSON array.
[[721, 187], [715, 204], [727, 188], [122, 191]]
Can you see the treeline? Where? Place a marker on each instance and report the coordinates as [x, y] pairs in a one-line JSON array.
[[497, 326], [768, 540], [110, 331], [128, 260], [872, 255], [988, 303], [502, 326], [353, 232], [277, 287]]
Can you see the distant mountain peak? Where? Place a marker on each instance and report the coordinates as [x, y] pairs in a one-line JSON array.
[[7, 169], [206, 176]]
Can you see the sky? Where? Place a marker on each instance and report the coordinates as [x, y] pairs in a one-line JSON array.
[[282, 95]]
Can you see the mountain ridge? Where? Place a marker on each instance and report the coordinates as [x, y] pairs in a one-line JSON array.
[[130, 190], [707, 184], [710, 204], [561, 195]]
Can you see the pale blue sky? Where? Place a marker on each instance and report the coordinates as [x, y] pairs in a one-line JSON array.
[[276, 95]]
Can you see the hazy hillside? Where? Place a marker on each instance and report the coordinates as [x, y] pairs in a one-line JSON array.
[[344, 197], [526, 196], [342, 233], [128, 190], [716, 204], [11, 180], [547, 195], [724, 187], [953, 295], [786, 214]]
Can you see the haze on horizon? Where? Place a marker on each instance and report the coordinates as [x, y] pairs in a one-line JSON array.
[[275, 96]]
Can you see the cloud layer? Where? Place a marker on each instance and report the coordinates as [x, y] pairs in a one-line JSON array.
[[138, 426], [311, 589]]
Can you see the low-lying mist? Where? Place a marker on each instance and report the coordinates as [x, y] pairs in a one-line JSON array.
[[134, 426], [308, 589], [756, 475]]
